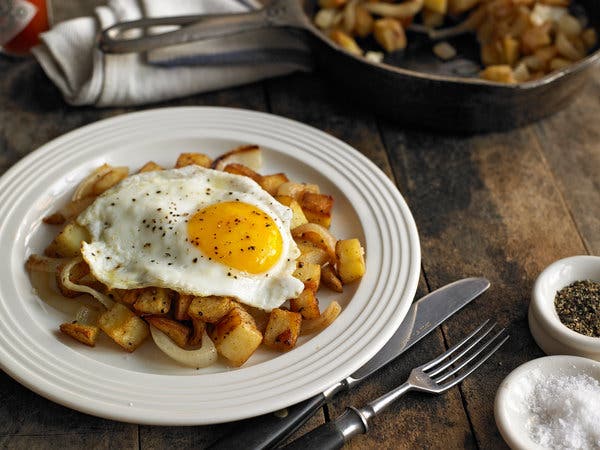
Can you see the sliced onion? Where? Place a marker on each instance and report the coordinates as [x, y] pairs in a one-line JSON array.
[[65, 278], [86, 187], [296, 190], [202, 357], [247, 155], [319, 235], [41, 263], [310, 326]]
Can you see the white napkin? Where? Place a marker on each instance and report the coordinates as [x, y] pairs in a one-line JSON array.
[[70, 57]]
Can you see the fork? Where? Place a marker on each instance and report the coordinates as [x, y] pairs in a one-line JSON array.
[[434, 377]]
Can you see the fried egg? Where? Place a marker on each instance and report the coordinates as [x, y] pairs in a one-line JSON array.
[[194, 230]]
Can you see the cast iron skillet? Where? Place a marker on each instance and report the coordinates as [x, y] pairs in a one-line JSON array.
[[410, 87]]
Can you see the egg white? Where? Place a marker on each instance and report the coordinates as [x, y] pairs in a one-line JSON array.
[[139, 237]]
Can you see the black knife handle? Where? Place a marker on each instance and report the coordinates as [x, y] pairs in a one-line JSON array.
[[326, 437], [266, 431]]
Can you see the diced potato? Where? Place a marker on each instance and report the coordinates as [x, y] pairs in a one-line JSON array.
[[309, 274], [438, 6], [298, 217], [177, 332], [109, 179], [390, 34], [559, 63], [124, 327], [306, 304], [271, 183], [567, 49], [240, 169], [181, 304], [86, 334], [79, 271], [330, 278], [153, 300], [282, 330], [198, 328], [68, 242], [498, 73], [310, 326], [311, 253], [510, 48], [150, 166], [456, 7], [317, 208], [210, 309], [236, 336], [351, 261], [188, 159], [363, 25], [345, 41], [535, 37]]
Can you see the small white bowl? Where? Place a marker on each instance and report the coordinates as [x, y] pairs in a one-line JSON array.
[[509, 409], [553, 337]]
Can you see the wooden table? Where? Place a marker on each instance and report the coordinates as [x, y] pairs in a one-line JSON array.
[[500, 205]]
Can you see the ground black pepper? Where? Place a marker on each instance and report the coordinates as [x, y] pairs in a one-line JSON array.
[[578, 307]]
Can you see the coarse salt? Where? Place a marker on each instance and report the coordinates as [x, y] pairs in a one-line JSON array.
[[564, 411]]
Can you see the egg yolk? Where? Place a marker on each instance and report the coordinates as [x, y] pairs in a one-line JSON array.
[[236, 234]]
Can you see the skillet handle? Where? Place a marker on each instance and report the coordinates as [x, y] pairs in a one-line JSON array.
[[278, 13]]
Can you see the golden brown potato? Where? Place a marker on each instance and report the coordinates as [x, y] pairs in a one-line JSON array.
[[363, 25], [309, 274], [236, 336], [282, 330], [317, 208], [68, 242], [150, 166], [198, 328], [177, 332], [306, 304], [330, 278], [345, 41], [188, 159], [181, 304], [271, 183], [152, 300], [351, 261], [389, 33], [500, 73], [86, 334], [210, 309], [124, 327], [298, 217]]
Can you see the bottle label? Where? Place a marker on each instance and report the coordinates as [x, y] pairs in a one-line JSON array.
[[15, 15]]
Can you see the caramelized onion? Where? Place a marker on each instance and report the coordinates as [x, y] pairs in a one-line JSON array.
[[319, 235], [202, 357]]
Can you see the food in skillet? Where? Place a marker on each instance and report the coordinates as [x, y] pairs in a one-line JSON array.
[[519, 40], [208, 258]]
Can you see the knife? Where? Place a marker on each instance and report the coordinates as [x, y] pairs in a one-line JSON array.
[[424, 316]]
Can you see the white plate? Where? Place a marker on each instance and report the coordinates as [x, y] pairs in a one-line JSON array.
[[145, 387]]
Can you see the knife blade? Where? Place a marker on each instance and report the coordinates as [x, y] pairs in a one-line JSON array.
[[424, 316]]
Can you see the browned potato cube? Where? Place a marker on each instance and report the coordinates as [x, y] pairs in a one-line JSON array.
[[390, 34], [282, 330], [86, 334], [351, 261], [150, 166], [309, 274], [271, 183], [210, 309], [536, 37], [124, 327], [306, 304], [500, 73], [236, 336], [330, 278], [438, 6], [317, 208], [298, 217], [240, 169], [188, 159], [153, 300], [199, 328], [182, 304], [363, 25], [68, 242], [177, 332], [345, 41]]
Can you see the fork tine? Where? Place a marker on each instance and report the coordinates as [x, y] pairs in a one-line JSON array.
[[436, 370], [462, 364], [451, 350], [483, 359]]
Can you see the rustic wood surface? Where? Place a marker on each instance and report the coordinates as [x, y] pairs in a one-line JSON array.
[[501, 205]]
